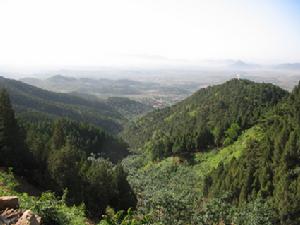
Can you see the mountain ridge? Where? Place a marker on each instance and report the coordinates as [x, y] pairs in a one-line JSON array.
[[27, 99]]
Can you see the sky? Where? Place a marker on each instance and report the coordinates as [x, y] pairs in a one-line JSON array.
[[45, 33]]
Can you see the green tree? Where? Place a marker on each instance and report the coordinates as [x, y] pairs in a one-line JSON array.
[[64, 168], [125, 197], [232, 133], [11, 145]]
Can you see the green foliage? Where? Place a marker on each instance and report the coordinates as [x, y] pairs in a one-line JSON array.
[[64, 167], [164, 189], [209, 118], [70, 155], [55, 211], [169, 191], [231, 134], [11, 144], [52, 210], [124, 218], [128, 108], [109, 187], [253, 157], [87, 138], [221, 211], [214, 211], [66, 154], [269, 168], [256, 212]]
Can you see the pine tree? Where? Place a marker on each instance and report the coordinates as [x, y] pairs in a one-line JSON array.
[[10, 144], [58, 137]]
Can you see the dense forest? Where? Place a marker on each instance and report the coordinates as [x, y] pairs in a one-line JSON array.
[[270, 168], [228, 154], [129, 108], [66, 155], [212, 117]]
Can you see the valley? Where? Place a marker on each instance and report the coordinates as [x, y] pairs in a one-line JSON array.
[[227, 152], [144, 112]]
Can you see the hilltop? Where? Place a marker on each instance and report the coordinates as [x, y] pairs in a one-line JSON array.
[[211, 117], [250, 177]]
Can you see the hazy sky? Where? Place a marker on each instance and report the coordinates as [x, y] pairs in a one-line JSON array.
[[113, 32]]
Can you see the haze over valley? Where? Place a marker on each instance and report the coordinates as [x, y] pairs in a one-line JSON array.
[[160, 87], [144, 112]]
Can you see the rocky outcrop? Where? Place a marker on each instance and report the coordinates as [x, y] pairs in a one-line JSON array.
[[28, 218], [11, 215], [11, 202]]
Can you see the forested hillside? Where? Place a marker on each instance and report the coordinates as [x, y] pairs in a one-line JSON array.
[[171, 191], [270, 168], [229, 154], [212, 117], [249, 177], [128, 108], [66, 155], [35, 103]]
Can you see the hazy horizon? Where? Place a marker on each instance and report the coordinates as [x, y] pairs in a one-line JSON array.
[[42, 35]]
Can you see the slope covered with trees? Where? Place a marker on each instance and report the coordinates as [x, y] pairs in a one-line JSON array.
[[66, 155], [171, 191], [12, 149], [128, 108], [250, 176], [35, 104], [270, 168], [212, 117], [229, 154]]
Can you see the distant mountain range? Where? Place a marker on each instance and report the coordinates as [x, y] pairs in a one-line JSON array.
[[244, 66], [289, 66]]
